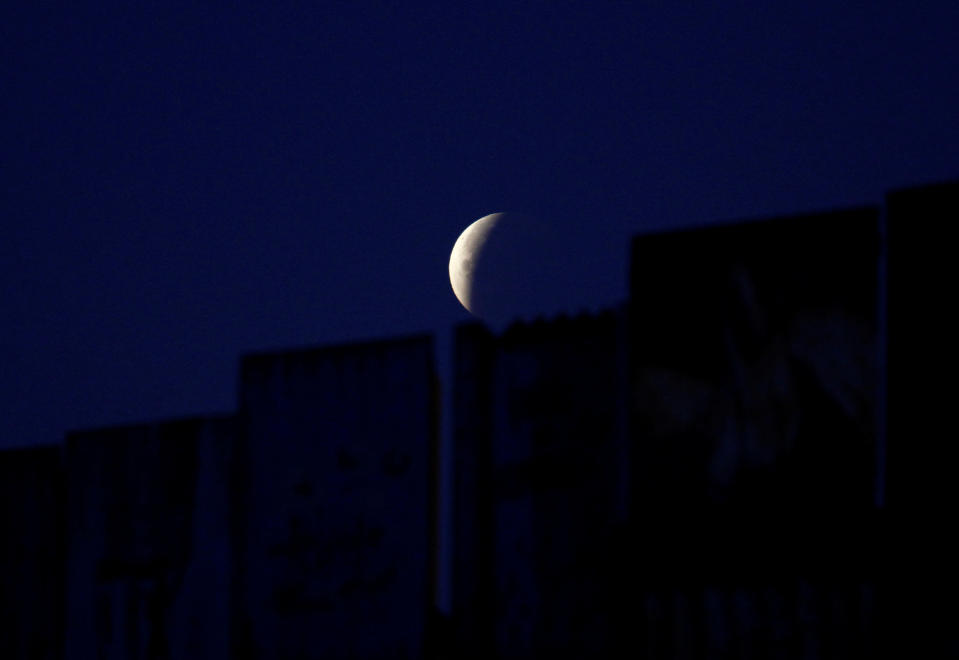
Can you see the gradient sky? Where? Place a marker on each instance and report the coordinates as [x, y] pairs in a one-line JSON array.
[[183, 184]]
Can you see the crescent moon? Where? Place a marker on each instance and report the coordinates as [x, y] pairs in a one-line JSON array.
[[465, 257]]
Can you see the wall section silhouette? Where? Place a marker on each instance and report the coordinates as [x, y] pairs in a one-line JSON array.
[[32, 553], [149, 550], [337, 503]]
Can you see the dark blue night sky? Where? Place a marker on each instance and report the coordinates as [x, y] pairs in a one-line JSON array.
[[184, 184]]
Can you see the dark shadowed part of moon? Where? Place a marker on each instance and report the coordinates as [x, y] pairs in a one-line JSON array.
[[508, 266]]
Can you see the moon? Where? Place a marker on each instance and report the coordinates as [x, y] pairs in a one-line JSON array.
[[466, 256], [505, 266]]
